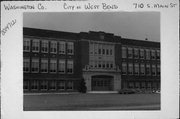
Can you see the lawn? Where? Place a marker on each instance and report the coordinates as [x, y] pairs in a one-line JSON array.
[[92, 102]]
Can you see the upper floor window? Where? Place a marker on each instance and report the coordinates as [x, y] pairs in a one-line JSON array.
[[153, 55], [26, 65], [141, 53], [53, 66], [142, 67], [44, 46], [70, 48], [148, 69], [136, 53], [35, 45], [53, 47], [62, 47], [130, 53], [158, 54], [26, 44], [95, 49], [124, 52], [136, 69], [130, 68], [147, 54], [61, 66], [44, 65], [154, 70], [70, 66], [35, 65]]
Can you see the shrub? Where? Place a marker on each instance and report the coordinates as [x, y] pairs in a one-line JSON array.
[[82, 86]]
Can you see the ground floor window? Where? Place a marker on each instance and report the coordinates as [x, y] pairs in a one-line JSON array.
[[26, 85], [137, 85], [69, 85], [34, 85], [52, 85], [149, 85], [143, 85], [131, 85], [44, 85], [61, 85]]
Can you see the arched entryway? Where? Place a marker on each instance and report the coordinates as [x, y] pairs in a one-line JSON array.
[[102, 83]]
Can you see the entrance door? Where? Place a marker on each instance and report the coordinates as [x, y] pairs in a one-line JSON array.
[[102, 83]]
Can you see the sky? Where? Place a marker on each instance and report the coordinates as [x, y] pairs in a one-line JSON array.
[[133, 25]]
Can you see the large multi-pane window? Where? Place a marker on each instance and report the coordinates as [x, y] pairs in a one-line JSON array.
[[35, 45], [124, 52], [62, 47], [53, 47], [130, 68], [158, 69], [147, 54], [35, 65], [136, 67], [153, 69], [44, 46], [61, 85], [53, 66], [26, 85], [124, 68], [141, 53], [26, 44], [52, 85], [26, 65], [70, 48], [153, 55], [61, 66], [136, 53], [148, 69], [44, 85], [69, 85], [158, 54], [34, 85], [70, 66], [142, 67], [130, 52], [44, 65]]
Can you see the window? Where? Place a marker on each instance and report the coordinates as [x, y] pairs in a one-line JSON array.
[[137, 85], [26, 44], [124, 52], [130, 68], [35, 65], [61, 66], [44, 46], [70, 66], [26, 85], [142, 69], [35, 45], [61, 85], [124, 68], [34, 85], [70, 48], [136, 53], [26, 65], [148, 69], [153, 54], [131, 85], [136, 69], [158, 54], [158, 69], [154, 70], [111, 52], [149, 85], [69, 85], [100, 49], [107, 51], [130, 53], [143, 85], [44, 65], [53, 47], [147, 54], [95, 49], [53, 66], [44, 85], [141, 53], [62, 47], [52, 85]]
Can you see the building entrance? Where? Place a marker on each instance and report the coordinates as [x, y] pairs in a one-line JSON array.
[[102, 83]]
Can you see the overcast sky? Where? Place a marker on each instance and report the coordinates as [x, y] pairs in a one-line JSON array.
[[135, 25]]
